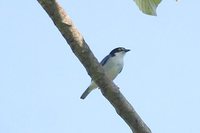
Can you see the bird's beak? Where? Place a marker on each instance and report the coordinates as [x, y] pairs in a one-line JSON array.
[[126, 50]]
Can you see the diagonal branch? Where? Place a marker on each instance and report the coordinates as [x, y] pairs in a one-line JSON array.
[[94, 69]]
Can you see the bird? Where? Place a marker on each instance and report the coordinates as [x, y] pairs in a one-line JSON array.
[[112, 64]]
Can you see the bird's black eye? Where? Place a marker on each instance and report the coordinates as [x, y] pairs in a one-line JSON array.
[[120, 49]]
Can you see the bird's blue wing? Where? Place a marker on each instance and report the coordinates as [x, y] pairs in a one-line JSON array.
[[105, 60]]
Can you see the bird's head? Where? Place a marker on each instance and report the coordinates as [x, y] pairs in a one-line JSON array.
[[120, 51]]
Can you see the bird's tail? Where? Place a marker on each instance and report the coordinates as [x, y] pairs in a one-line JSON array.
[[86, 92]]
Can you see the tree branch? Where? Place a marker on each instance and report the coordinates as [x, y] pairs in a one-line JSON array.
[[94, 69]]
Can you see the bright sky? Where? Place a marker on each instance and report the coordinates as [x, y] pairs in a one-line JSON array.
[[42, 80]]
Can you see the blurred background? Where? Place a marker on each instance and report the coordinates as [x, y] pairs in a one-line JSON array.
[[41, 80]]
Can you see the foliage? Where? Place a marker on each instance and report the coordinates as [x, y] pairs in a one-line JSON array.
[[148, 6]]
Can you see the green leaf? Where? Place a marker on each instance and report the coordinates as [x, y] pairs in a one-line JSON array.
[[148, 6]]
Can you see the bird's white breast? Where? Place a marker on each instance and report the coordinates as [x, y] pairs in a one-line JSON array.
[[113, 66]]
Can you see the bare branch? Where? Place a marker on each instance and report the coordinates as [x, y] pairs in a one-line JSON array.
[[94, 69]]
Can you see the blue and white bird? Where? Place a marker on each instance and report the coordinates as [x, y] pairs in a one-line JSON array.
[[112, 65]]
